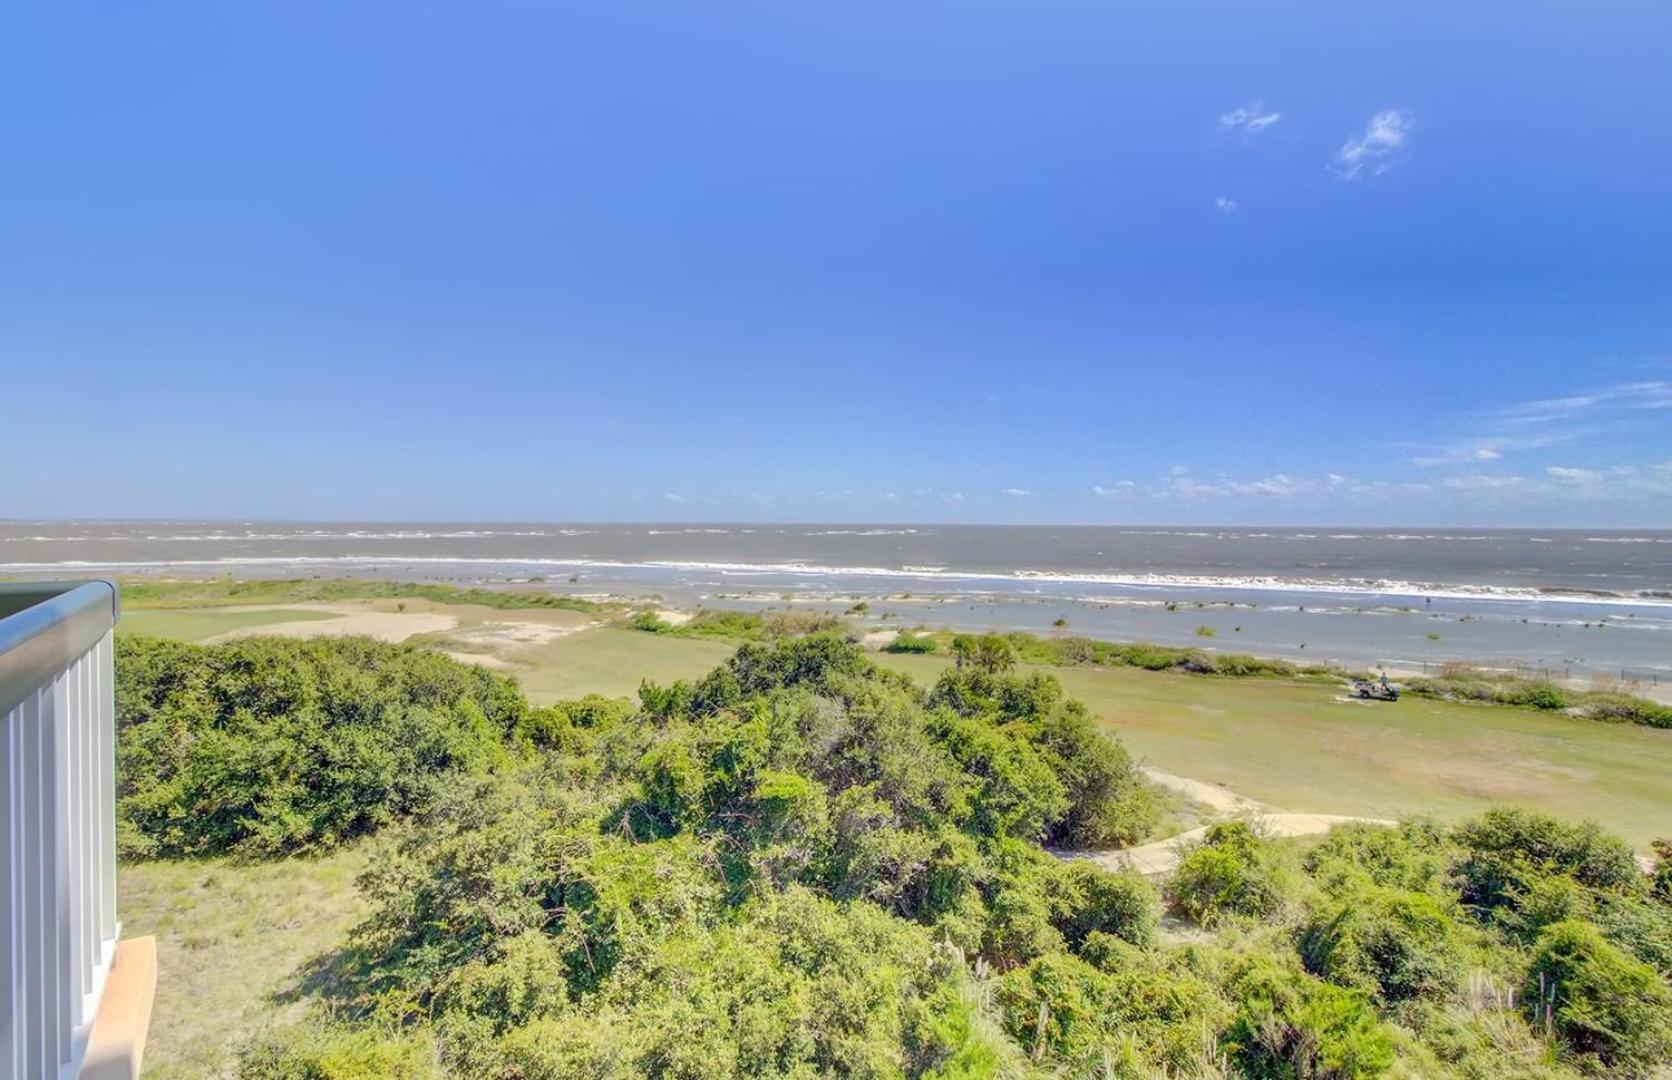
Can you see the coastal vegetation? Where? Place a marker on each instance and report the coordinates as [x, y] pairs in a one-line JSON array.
[[1459, 683], [147, 594], [803, 863]]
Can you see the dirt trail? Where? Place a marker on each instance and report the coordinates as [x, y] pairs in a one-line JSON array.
[[1216, 796], [350, 619], [1162, 856]]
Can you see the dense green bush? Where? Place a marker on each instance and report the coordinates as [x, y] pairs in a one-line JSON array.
[[1231, 871], [1290, 1025], [1506, 851], [1413, 856], [323, 1051], [1498, 689], [911, 643], [802, 864], [1061, 651], [268, 746], [1391, 943], [1604, 1004], [737, 625]]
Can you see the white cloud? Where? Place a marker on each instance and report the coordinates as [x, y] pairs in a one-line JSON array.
[[1225, 205], [1181, 485], [1570, 484], [1565, 475], [1376, 150], [1485, 448], [1016, 493], [1643, 394], [1249, 120], [673, 497], [1119, 487]]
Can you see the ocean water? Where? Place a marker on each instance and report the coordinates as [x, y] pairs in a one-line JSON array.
[[1574, 602]]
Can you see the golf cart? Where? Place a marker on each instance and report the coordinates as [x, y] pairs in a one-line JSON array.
[[1375, 689]]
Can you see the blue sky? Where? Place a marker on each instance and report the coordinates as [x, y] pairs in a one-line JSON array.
[[1078, 262]]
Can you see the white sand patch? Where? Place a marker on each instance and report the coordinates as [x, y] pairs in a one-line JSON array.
[[1214, 796], [876, 639], [1162, 856], [515, 634], [672, 617], [383, 625]]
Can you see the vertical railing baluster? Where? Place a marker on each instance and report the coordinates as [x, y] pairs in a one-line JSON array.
[[63, 927], [70, 827], [10, 931], [36, 866], [58, 925], [107, 790]]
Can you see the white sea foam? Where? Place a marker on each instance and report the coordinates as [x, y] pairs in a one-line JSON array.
[[1250, 583]]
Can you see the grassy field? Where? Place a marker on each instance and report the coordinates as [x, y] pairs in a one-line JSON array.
[[230, 940], [1296, 745], [196, 625], [1301, 746], [613, 662], [233, 938], [140, 592]]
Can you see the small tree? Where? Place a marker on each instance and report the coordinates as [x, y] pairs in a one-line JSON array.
[[994, 655]]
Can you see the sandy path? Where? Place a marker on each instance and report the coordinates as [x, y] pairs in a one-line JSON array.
[[355, 618], [350, 619], [1162, 856], [1219, 798]]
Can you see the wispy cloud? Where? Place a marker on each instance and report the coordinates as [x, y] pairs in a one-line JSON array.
[[1225, 204], [1249, 120], [1182, 485], [1641, 394], [1484, 448], [1016, 492], [1376, 150], [1570, 484], [673, 496]]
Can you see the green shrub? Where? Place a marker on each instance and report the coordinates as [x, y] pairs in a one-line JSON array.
[[920, 644], [649, 622], [1412, 856], [268, 746], [1122, 905], [1396, 945], [1510, 690], [316, 1051], [1230, 871], [1504, 849], [1290, 1025], [1061, 1008], [1604, 1005]]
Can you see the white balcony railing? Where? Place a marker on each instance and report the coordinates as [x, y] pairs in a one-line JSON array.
[[58, 926]]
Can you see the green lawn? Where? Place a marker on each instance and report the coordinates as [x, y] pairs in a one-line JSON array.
[[230, 940], [196, 625], [1295, 746], [613, 662]]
